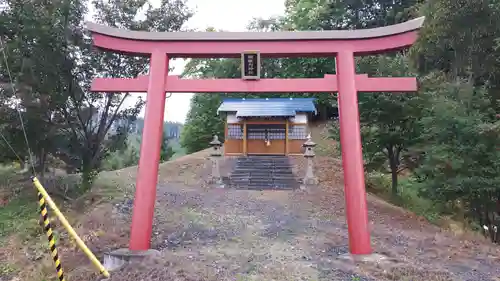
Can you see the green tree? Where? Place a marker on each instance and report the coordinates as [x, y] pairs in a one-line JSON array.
[[52, 63], [461, 51], [389, 121], [34, 69], [202, 123], [166, 151], [461, 162]]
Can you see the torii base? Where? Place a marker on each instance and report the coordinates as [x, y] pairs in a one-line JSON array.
[[117, 259], [371, 258]]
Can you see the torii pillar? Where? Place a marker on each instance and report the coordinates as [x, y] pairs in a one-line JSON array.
[[344, 45], [352, 156]]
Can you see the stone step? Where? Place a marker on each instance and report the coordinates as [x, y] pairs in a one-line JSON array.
[[280, 183], [276, 178], [268, 184], [273, 157], [261, 173], [283, 165], [257, 166], [263, 170], [257, 160], [264, 180], [264, 162], [264, 188], [285, 183], [254, 164], [260, 176], [255, 179]]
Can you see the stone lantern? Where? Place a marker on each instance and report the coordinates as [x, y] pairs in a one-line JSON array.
[[216, 155], [216, 146], [309, 154]]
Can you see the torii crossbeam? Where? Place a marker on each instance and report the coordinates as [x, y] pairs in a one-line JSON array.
[[328, 84], [344, 45]]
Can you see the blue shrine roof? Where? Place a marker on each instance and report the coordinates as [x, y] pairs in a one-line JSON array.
[[282, 107]]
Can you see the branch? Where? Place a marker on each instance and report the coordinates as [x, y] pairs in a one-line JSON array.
[[104, 118], [70, 123], [108, 126], [404, 167], [60, 194], [78, 104], [115, 114]]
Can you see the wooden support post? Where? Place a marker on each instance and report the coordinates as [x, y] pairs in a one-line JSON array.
[[286, 137], [245, 137], [225, 136]]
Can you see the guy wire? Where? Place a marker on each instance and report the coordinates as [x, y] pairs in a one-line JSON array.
[[3, 48]]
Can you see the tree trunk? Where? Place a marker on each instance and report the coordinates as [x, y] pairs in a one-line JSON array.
[[42, 158], [90, 169], [24, 166], [88, 176], [393, 164], [324, 115]]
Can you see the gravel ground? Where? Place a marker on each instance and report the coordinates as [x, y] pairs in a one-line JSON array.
[[227, 234], [241, 235]]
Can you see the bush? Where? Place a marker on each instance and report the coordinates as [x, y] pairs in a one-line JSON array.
[[411, 200], [377, 182], [129, 156], [121, 159], [380, 184]]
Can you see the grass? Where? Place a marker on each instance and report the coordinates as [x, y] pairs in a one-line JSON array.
[[20, 216], [19, 213], [8, 269], [325, 145], [179, 151], [23, 245], [19, 222], [379, 184], [22, 240]]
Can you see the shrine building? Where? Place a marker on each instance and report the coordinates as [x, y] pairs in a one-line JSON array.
[[266, 126]]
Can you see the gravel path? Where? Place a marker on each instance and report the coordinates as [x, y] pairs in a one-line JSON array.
[[227, 234], [244, 235]]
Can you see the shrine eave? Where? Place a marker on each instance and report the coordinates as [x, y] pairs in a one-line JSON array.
[[386, 31]]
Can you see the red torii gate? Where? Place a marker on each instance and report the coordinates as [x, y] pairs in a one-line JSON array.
[[344, 45]]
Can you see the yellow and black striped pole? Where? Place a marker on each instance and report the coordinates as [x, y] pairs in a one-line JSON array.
[[50, 236]]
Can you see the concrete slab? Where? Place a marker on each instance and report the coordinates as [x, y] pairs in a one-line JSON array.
[[116, 259], [373, 258]]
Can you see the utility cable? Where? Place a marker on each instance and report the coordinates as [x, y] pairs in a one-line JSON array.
[[10, 147], [3, 49]]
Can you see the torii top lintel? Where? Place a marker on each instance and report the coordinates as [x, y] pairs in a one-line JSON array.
[[276, 44]]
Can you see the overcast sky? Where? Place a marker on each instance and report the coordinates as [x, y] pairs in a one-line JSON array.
[[229, 15]]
